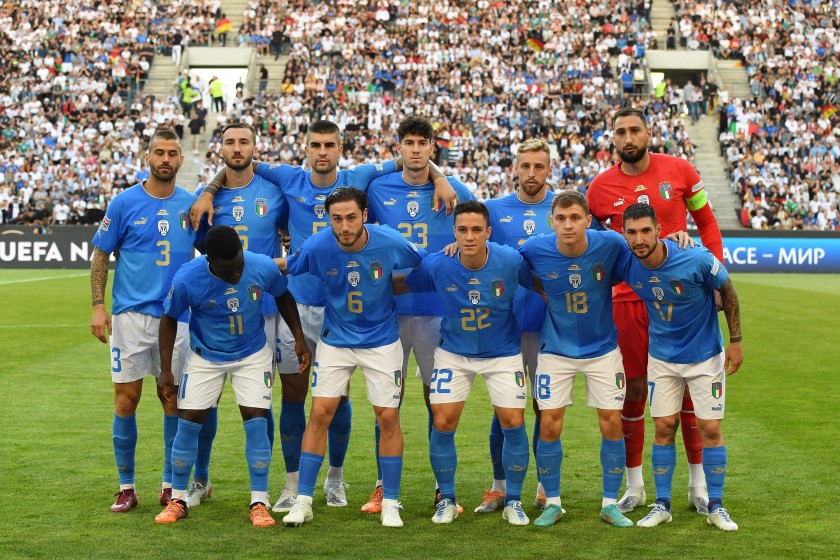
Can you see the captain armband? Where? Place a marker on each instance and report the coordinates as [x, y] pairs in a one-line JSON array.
[[696, 201]]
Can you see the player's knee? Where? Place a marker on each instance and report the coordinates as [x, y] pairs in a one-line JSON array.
[[665, 429], [126, 400], [610, 424], [294, 387], [710, 432], [511, 418], [550, 428]]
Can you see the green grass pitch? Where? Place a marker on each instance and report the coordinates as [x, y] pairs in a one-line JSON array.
[[57, 473]]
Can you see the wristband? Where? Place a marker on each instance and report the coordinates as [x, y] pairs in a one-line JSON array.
[[98, 302], [735, 339]]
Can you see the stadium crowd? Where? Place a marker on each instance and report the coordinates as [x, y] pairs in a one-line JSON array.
[[73, 110], [781, 143], [489, 75]]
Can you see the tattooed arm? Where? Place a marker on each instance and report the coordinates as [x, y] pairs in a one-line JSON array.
[[732, 312], [100, 320]]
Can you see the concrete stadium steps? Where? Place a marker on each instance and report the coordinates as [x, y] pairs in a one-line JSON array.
[[661, 12], [713, 170], [276, 69], [161, 84], [733, 77], [234, 9]]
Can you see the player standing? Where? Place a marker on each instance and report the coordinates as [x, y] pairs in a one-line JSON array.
[[405, 202], [149, 225], [355, 262], [478, 335], [515, 218], [672, 187], [575, 266], [256, 209], [686, 350], [306, 192], [224, 293]]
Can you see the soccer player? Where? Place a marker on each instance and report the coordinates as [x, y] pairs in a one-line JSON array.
[[355, 262], [686, 350], [672, 186], [478, 335], [149, 225], [256, 210], [305, 192], [575, 266], [223, 292], [405, 202], [514, 219]]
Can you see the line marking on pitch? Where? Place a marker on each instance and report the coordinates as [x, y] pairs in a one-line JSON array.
[[65, 325], [5, 282]]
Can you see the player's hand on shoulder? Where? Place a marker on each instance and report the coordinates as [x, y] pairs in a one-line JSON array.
[[683, 240], [451, 250], [202, 205]]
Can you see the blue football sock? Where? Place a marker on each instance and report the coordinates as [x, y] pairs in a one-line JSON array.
[[497, 442], [444, 459], [205, 445], [535, 438], [431, 421], [184, 450], [339, 433], [515, 457], [270, 427], [391, 474], [549, 462], [377, 434], [613, 458], [714, 466], [310, 464], [257, 453], [292, 426], [170, 428], [664, 459], [124, 435]]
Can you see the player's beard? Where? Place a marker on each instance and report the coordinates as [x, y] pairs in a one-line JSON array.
[[531, 189], [640, 153], [238, 166], [352, 240], [165, 175], [650, 251]]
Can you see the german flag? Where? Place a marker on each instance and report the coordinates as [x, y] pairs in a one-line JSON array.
[[535, 44], [223, 26]]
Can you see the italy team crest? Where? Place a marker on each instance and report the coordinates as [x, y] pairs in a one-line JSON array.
[[666, 190], [598, 272], [184, 219], [520, 378], [163, 227], [677, 286], [254, 292], [268, 378], [548, 219], [413, 207], [397, 377], [498, 287], [376, 270], [619, 380], [529, 226], [717, 389], [261, 206]]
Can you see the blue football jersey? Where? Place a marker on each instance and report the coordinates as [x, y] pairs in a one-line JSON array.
[[680, 300], [154, 238], [514, 222], [477, 304], [360, 311], [256, 211], [307, 213], [226, 321], [579, 322], [408, 209]]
